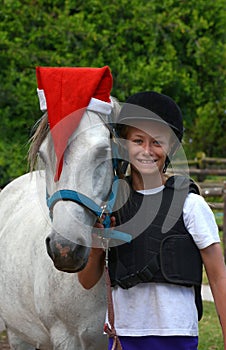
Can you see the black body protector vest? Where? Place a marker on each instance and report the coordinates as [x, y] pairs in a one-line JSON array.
[[162, 250]]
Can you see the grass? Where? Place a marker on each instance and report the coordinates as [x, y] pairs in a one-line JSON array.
[[210, 334]]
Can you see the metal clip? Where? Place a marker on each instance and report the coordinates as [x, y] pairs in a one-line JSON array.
[[100, 218], [105, 244]]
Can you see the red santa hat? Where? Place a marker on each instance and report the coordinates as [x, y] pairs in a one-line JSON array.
[[66, 93]]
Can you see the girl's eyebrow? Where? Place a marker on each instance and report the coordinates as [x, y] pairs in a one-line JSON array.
[[138, 135], [153, 136], [159, 137]]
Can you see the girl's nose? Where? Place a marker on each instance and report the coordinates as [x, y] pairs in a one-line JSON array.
[[148, 148]]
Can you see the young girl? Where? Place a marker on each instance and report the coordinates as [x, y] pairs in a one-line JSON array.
[[156, 278]]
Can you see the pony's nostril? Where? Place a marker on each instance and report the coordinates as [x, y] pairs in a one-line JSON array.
[[48, 244], [48, 248]]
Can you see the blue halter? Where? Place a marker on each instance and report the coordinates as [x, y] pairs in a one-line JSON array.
[[99, 211]]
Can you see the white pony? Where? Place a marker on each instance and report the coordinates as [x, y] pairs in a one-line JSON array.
[[42, 307]]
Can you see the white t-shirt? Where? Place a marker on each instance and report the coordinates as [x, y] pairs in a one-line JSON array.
[[161, 308]]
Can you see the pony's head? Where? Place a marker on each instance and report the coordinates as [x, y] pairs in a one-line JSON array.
[[86, 171]]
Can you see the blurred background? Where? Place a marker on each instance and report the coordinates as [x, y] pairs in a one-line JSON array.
[[174, 47]]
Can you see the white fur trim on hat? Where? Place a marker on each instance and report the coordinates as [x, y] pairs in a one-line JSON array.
[[42, 100], [100, 106], [94, 105]]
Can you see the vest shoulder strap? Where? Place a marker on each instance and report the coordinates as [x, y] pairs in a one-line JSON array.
[[181, 182]]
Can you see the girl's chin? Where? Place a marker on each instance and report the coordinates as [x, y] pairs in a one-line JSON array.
[[153, 171], [149, 168]]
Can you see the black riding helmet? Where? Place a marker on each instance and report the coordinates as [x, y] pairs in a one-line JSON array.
[[151, 105]]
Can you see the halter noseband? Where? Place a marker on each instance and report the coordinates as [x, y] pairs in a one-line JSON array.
[[99, 211]]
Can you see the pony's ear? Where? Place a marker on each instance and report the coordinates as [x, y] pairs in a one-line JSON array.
[[116, 108], [66, 92]]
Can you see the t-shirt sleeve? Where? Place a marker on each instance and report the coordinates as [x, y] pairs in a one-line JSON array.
[[200, 221]]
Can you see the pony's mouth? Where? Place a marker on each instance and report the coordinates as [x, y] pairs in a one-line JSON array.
[[66, 256], [69, 269]]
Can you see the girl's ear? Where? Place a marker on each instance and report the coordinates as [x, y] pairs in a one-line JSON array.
[[167, 162]]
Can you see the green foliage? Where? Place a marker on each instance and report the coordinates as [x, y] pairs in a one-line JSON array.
[[210, 126], [175, 47]]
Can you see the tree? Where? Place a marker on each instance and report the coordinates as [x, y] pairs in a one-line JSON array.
[[174, 47]]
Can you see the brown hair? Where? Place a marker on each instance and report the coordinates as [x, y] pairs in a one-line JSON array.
[[41, 130]]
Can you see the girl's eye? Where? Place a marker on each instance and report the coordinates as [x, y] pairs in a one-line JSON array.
[[158, 143], [138, 141]]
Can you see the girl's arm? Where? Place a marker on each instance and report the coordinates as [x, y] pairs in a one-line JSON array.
[[216, 272], [93, 271]]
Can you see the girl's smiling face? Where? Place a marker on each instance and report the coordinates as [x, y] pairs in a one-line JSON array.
[[148, 144]]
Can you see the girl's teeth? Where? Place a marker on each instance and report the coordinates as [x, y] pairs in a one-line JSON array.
[[147, 161]]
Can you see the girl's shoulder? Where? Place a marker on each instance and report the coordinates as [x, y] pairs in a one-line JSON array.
[[200, 221], [194, 200]]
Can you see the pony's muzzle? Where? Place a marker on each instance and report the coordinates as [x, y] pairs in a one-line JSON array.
[[67, 256]]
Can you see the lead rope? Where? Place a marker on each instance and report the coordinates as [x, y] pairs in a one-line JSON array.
[[109, 327]]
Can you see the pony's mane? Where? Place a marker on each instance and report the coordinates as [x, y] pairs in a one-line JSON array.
[[41, 129]]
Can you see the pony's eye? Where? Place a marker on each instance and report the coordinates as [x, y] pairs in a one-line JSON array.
[[40, 162], [102, 152], [41, 156]]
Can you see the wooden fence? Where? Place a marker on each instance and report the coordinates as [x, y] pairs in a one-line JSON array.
[[212, 191], [201, 168]]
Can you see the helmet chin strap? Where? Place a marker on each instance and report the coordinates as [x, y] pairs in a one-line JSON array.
[[169, 156], [167, 162]]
